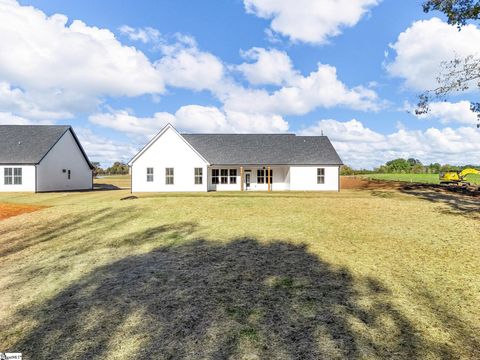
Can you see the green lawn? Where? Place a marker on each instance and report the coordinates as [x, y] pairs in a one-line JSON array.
[[358, 274], [421, 178]]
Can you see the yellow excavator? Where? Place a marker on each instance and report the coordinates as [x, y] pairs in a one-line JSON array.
[[457, 177]]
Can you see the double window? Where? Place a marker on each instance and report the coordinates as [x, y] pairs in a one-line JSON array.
[[320, 175], [12, 176], [149, 174], [169, 176], [262, 176], [198, 176], [224, 176]]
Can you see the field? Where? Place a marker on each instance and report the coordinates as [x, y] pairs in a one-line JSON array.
[[421, 178], [372, 272]]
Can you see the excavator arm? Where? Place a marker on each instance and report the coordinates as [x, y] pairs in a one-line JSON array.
[[468, 171]]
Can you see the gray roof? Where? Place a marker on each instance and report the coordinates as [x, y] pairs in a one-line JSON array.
[[28, 144], [264, 149]]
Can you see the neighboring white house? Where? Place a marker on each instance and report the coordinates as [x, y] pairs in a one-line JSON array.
[[42, 158], [235, 162]]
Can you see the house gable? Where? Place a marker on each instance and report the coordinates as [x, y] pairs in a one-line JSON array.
[[166, 129], [64, 166], [166, 151]]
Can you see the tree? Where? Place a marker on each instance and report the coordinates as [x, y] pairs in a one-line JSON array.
[[398, 166], [118, 168], [97, 170], [459, 74], [458, 12]]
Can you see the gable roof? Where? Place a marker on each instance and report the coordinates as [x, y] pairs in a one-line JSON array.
[[263, 149], [29, 144], [155, 138]]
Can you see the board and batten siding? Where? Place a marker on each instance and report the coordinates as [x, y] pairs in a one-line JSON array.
[[28, 179], [169, 150], [304, 178], [64, 155]]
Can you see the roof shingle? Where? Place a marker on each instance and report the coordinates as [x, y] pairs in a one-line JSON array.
[[28, 144], [258, 149]]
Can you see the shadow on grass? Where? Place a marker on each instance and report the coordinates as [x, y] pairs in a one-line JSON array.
[[105, 187], [203, 299], [457, 204]]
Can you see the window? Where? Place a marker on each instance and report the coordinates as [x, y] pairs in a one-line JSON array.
[[169, 176], [69, 174], [233, 176], [271, 176], [8, 176], [198, 176], [262, 176], [215, 176], [149, 174], [321, 176], [224, 176]]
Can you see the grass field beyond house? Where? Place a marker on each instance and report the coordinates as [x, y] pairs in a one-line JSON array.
[[367, 274], [420, 178]]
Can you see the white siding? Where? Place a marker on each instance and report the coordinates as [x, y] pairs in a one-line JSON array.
[[64, 155], [28, 179], [168, 151], [305, 178]]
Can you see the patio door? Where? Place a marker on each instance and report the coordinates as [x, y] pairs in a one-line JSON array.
[[247, 180]]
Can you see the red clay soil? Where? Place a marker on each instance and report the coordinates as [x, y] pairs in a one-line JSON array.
[[350, 182], [9, 210]]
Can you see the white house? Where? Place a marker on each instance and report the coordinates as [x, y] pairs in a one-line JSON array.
[[42, 158], [235, 162]]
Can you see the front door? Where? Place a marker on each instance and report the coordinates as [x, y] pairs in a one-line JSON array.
[[247, 181]]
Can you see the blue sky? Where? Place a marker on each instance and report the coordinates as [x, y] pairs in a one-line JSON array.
[[120, 70]]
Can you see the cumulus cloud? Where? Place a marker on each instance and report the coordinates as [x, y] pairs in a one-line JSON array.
[[42, 52], [360, 146], [191, 118], [311, 21], [321, 88], [422, 48], [448, 112], [269, 67], [184, 65], [104, 150]]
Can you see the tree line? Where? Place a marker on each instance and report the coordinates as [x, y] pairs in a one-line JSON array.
[[405, 166], [118, 168]]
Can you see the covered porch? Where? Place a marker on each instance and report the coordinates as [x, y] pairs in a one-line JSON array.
[[248, 178]]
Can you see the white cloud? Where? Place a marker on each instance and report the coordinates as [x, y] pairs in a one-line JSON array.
[[7, 118], [44, 53], [270, 67], [185, 66], [145, 35], [104, 150], [447, 112], [311, 21], [192, 118], [360, 146], [321, 88], [422, 48], [125, 121]]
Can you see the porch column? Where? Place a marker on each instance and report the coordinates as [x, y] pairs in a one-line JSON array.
[[268, 177], [241, 178]]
